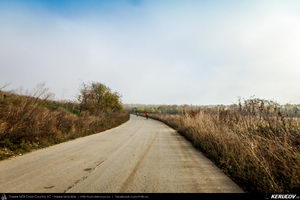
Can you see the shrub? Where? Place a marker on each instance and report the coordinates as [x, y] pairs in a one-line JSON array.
[[28, 122]]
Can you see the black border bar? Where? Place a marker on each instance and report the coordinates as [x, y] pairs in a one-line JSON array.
[[121, 196]]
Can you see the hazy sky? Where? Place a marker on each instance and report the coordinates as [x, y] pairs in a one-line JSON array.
[[155, 52]]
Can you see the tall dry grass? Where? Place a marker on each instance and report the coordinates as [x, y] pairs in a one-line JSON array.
[[28, 123], [255, 144]]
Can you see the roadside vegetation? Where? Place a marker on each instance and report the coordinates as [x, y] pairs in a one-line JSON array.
[[34, 121], [256, 142]]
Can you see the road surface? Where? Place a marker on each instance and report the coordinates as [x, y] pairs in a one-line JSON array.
[[138, 156]]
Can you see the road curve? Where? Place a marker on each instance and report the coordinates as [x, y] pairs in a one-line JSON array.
[[138, 156]]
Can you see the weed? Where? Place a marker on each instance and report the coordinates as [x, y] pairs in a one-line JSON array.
[[254, 143]]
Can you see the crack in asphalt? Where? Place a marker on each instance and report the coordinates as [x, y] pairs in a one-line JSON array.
[[131, 176], [90, 170]]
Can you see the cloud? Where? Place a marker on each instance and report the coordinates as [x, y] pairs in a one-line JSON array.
[[194, 53]]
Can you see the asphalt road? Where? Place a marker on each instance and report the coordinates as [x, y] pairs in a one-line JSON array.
[[138, 156]]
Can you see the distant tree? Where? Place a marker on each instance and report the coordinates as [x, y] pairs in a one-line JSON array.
[[97, 98]]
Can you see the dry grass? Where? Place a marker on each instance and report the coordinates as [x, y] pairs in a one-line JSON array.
[[28, 123], [254, 143]]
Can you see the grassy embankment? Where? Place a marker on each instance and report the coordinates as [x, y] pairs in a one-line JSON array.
[[28, 123], [255, 144]]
